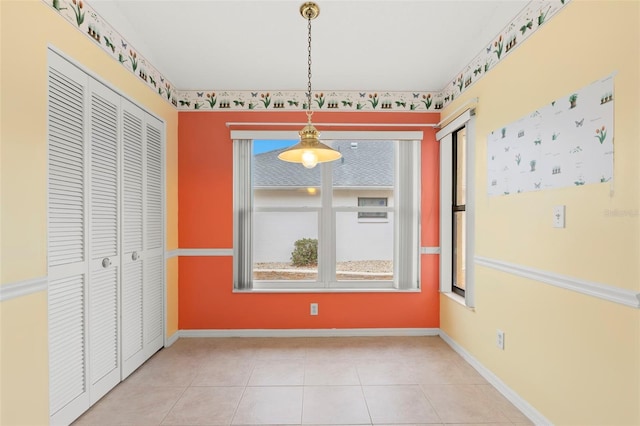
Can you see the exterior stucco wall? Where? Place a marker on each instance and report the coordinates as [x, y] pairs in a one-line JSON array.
[[357, 239]]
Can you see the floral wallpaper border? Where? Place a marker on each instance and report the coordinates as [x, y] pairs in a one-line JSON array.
[[81, 15], [86, 20]]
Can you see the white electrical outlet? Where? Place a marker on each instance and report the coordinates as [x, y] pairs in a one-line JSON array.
[[313, 309], [558, 216], [500, 339]]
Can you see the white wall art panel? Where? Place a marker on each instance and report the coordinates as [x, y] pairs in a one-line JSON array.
[[568, 142]]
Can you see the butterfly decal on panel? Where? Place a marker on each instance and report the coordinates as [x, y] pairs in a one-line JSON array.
[[579, 123], [200, 94]]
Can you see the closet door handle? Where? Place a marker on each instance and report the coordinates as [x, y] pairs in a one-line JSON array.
[[135, 255], [106, 262]]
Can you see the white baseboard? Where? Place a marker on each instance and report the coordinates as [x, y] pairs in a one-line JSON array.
[[320, 332], [527, 409], [172, 339]]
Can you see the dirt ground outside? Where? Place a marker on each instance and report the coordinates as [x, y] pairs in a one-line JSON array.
[[351, 270]]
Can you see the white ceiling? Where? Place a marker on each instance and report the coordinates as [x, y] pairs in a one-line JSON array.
[[383, 45]]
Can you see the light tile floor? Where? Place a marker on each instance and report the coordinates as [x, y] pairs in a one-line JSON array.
[[329, 381]]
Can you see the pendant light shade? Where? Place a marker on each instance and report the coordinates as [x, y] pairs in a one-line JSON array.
[[309, 151]]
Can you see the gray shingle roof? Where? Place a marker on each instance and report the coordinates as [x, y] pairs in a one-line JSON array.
[[363, 164]]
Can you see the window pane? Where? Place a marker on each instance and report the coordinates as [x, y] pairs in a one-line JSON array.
[[364, 164], [281, 185], [364, 240], [461, 186], [277, 183], [459, 250], [364, 250], [274, 245]]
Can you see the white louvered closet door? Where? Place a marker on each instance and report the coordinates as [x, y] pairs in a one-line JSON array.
[[133, 177], [142, 236], [67, 235], [105, 239], [154, 239], [104, 244]]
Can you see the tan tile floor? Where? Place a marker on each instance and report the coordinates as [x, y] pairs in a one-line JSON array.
[[328, 381]]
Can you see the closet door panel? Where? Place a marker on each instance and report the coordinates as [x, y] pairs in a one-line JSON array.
[[67, 251], [69, 396], [132, 339], [154, 306], [154, 225], [66, 210], [104, 240], [154, 241], [133, 259], [103, 330]]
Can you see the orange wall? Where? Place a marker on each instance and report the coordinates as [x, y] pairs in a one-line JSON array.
[[205, 220]]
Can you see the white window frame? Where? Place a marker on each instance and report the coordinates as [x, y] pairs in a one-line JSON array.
[[444, 136], [406, 265]]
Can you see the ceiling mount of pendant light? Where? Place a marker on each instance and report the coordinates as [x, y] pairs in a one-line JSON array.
[[309, 151]]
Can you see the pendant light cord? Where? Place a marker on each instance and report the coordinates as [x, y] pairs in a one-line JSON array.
[[309, 113]]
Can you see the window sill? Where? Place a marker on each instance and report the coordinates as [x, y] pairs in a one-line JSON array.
[[326, 290], [457, 298]]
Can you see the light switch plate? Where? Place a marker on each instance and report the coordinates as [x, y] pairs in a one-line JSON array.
[[558, 216]]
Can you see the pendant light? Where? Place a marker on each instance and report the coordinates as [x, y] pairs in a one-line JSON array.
[[309, 151]]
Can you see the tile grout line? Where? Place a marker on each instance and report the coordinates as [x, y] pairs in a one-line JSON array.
[[435, 410], [173, 405], [364, 396], [244, 390], [366, 403], [304, 386], [303, 392]]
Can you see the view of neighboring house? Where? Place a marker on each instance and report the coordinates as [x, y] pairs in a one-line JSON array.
[[363, 177]]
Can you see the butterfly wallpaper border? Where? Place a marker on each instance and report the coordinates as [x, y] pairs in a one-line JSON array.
[[80, 14]]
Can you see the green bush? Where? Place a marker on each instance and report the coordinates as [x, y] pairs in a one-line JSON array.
[[305, 252]]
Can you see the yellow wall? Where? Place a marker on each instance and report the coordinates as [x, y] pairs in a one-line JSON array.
[[24, 368], [574, 358], [27, 28]]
